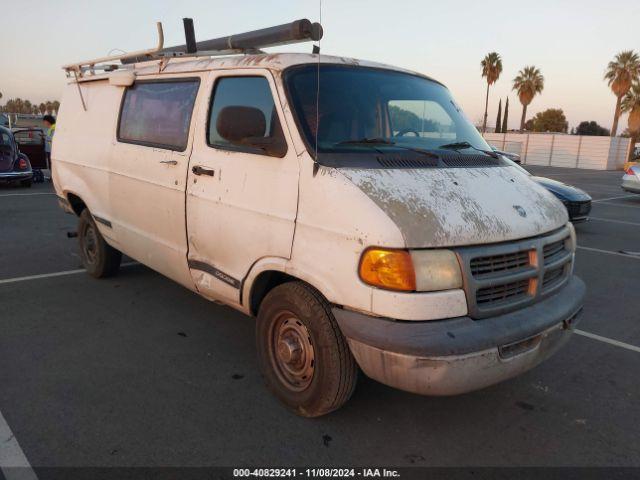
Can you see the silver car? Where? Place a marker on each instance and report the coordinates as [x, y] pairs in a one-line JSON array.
[[631, 179]]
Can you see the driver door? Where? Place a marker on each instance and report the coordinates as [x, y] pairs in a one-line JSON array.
[[241, 201]]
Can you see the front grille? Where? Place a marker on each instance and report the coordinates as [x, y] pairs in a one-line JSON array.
[[579, 209], [502, 293], [508, 276], [499, 263], [552, 250], [552, 277]]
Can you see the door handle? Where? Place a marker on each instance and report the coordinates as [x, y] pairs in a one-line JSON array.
[[198, 170], [169, 162]]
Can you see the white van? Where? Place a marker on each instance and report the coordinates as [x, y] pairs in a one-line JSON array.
[[364, 222]]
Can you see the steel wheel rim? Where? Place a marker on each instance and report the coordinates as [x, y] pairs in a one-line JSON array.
[[292, 353], [90, 244]]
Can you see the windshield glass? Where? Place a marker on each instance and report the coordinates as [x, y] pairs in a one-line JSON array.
[[361, 109]]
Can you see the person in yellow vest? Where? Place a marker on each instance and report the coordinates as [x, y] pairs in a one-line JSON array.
[[49, 122]]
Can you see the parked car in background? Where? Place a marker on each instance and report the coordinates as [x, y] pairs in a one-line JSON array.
[[30, 140], [14, 165], [631, 179], [576, 201], [4, 120]]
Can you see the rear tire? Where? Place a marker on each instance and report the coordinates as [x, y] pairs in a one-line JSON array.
[[99, 258], [302, 353]]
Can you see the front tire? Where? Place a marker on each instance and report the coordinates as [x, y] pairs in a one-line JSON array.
[[26, 183], [302, 353], [98, 257]]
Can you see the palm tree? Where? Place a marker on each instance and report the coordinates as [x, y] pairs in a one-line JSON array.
[[491, 69], [631, 103], [620, 74], [56, 106], [528, 83], [43, 108]]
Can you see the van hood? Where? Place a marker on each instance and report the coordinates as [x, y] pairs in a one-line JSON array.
[[448, 207]]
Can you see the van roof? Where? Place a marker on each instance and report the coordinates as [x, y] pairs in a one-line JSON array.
[[276, 62]]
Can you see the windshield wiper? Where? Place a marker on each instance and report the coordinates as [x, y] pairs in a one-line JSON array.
[[373, 141], [462, 145]]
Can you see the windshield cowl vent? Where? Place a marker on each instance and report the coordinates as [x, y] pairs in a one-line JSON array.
[[457, 160], [399, 162]]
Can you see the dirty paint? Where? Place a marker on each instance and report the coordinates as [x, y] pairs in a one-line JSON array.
[[460, 206]]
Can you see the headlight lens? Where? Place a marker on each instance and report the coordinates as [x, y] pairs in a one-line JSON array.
[[416, 270], [436, 270]]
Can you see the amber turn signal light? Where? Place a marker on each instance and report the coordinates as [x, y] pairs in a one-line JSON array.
[[390, 269]]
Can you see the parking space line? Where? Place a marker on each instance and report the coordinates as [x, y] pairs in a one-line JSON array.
[[53, 274], [613, 204], [610, 252], [614, 221], [613, 198], [610, 341], [26, 194], [13, 462]]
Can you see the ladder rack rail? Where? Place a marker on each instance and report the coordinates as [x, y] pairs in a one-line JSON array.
[[80, 67]]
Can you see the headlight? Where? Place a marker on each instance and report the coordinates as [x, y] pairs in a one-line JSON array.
[[436, 270], [415, 270]]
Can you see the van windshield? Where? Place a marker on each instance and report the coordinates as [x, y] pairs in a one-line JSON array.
[[365, 110]]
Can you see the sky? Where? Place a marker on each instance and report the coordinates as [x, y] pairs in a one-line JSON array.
[[570, 41]]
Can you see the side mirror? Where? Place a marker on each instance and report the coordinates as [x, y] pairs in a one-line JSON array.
[[246, 126]]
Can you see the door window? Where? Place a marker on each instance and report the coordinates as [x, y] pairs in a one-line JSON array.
[[158, 114], [250, 100]]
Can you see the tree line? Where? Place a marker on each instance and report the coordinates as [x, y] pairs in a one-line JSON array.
[[18, 105], [622, 74]]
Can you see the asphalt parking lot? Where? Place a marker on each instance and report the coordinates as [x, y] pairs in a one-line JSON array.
[[138, 371]]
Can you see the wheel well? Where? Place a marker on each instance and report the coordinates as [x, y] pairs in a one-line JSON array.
[[263, 284], [76, 203]]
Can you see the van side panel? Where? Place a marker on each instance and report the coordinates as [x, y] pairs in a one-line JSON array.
[[83, 145]]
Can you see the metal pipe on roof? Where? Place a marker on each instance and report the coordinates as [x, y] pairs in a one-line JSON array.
[[298, 31]]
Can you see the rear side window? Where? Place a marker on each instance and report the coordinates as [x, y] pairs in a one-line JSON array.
[[253, 93], [29, 137], [158, 114]]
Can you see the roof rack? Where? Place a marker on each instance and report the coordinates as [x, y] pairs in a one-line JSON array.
[[79, 68], [244, 43]]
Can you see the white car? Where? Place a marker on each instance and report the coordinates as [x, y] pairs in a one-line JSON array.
[[362, 219], [631, 179]]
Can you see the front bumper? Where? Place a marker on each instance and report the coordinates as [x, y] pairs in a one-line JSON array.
[[578, 210], [448, 357], [15, 176]]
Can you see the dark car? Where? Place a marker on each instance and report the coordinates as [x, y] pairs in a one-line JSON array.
[[576, 201], [14, 165], [30, 141]]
